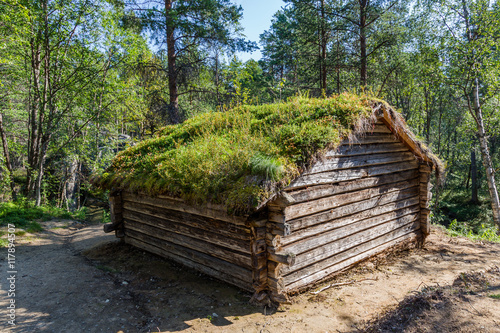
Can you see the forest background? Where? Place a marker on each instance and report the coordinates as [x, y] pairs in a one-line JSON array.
[[81, 80]]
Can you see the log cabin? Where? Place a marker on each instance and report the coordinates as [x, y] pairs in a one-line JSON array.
[[341, 180]]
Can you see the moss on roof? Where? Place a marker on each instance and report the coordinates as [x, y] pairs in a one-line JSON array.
[[238, 158]]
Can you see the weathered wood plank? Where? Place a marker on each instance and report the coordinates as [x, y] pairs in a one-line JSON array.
[[350, 174], [372, 138], [348, 162], [206, 265], [321, 191], [189, 220], [180, 205], [221, 252], [350, 258], [363, 149], [378, 127], [211, 237], [352, 208], [346, 220], [402, 215], [327, 250], [326, 203]]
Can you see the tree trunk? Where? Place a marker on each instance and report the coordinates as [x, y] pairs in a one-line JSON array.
[[72, 185], [477, 114], [172, 70], [362, 41], [473, 172], [324, 42], [6, 155]]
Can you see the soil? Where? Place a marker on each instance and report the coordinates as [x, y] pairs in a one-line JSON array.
[[74, 278]]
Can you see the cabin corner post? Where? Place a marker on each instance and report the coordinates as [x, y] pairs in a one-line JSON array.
[[116, 214], [259, 259], [276, 258], [425, 196]]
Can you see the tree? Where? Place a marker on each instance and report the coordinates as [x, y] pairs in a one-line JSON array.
[[473, 41], [185, 27]]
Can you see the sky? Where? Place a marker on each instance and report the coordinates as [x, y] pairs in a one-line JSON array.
[[257, 15]]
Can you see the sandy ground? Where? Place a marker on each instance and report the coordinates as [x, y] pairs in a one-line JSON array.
[[72, 278]]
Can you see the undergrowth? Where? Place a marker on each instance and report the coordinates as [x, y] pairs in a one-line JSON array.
[[25, 215], [461, 217], [237, 158]]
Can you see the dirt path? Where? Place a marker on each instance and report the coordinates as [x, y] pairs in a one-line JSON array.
[[80, 280]]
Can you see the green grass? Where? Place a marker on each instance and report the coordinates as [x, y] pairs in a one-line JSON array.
[[237, 158], [24, 215], [495, 296]]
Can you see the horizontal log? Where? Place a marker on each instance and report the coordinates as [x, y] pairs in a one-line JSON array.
[[321, 191], [310, 220], [366, 149], [282, 258], [276, 285], [348, 162], [259, 246], [274, 270], [241, 259], [371, 138], [378, 127], [348, 259], [191, 232], [348, 229], [273, 240], [211, 211], [210, 268], [347, 220], [281, 229], [350, 174], [318, 254], [189, 220], [326, 203], [259, 261]]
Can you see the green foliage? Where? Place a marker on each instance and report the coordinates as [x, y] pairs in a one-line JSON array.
[[465, 218], [495, 296], [24, 214], [238, 158]]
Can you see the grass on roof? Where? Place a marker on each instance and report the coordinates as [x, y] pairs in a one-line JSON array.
[[237, 158]]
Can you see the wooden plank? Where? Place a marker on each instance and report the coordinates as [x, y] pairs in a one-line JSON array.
[[310, 220], [343, 229], [378, 127], [352, 258], [211, 237], [372, 138], [350, 174], [179, 205], [348, 162], [186, 261], [241, 259], [326, 203], [347, 149], [189, 220], [346, 220], [321, 191], [318, 254]]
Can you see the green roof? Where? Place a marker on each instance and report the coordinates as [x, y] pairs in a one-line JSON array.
[[238, 158]]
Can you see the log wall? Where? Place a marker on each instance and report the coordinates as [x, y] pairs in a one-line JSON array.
[[361, 199], [205, 239]]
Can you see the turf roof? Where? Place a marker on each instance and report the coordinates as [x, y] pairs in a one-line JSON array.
[[238, 158]]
